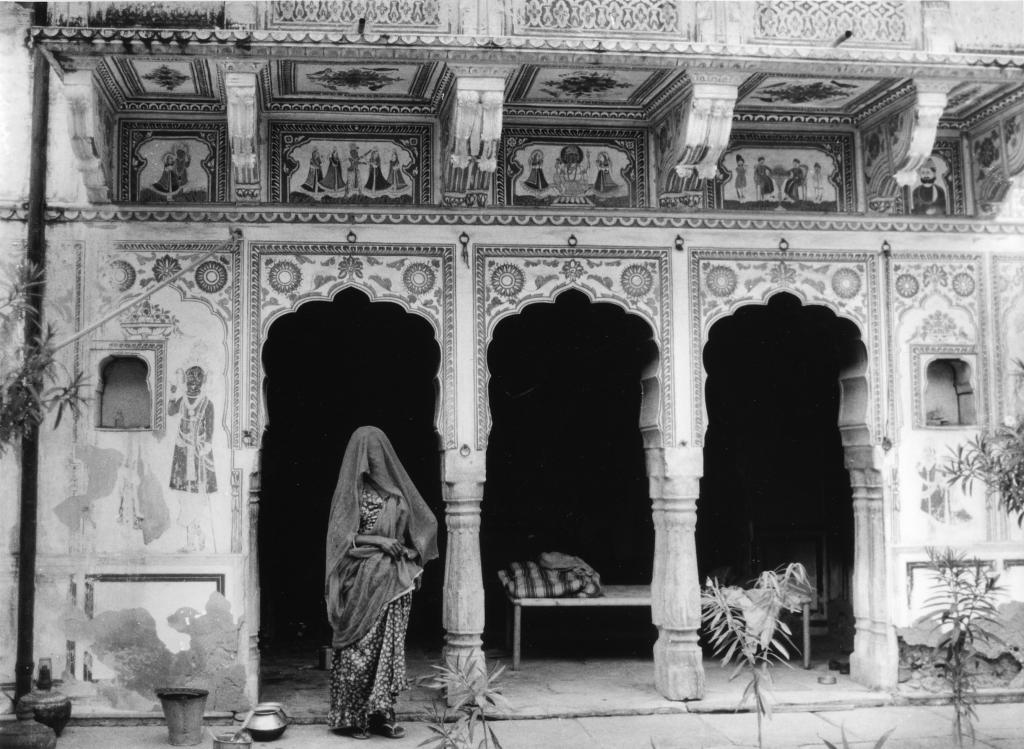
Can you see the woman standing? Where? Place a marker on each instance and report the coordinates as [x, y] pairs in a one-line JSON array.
[[379, 536]]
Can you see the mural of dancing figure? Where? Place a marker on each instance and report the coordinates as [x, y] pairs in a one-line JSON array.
[[604, 182], [399, 179], [741, 178], [763, 180], [175, 174], [375, 181], [794, 187], [192, 468], [315, 176], [334, 179]]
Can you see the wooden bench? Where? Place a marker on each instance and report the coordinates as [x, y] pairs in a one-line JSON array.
[[614, 595]]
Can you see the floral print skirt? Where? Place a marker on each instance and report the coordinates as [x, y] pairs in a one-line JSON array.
[[367, 677]]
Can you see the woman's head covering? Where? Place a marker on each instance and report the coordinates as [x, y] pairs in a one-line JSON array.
[[370, 454]]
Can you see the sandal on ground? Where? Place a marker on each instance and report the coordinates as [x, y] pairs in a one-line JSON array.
[[388, 728], [353, 733]]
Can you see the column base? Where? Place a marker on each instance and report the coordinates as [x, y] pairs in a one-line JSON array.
[[875, 658], [463, 652], [678, 665]]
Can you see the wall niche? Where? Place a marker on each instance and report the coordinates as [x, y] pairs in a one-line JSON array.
[[945, 390]]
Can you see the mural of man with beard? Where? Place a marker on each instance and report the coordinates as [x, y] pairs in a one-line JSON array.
[[928, 199]]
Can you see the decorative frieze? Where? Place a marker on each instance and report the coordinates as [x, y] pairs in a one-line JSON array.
[[873, 22], [371, 16], [598, 17], [476, 115]]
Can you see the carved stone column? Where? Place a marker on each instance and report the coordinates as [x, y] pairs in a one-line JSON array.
[[464, 473], [241, 84], [874, 662], [909, 155], [674, 475], [252, 589], [87, 139]]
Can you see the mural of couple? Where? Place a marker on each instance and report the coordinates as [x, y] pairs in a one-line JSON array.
[[168, 174], [796, 179], [333, 172]]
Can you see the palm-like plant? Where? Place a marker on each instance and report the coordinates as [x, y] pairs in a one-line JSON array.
[[962, 606], [32, 382], [996, 458], [471, 692], [745, 628]]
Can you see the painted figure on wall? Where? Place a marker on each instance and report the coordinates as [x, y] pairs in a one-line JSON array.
[[938, 499], [376, 172], [173, 170], [192, 468], [928, 199], [785, 178], [536, 180], [740, 180], [763, 180], [795, 185], [599, 176]]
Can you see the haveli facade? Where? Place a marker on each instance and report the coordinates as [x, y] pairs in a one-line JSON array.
[[220, 164]]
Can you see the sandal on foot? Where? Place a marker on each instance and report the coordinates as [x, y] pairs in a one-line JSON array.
[[355, 733], [388, 729]]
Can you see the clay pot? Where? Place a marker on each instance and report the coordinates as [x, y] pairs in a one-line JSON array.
[[46, 706], [26, 734]]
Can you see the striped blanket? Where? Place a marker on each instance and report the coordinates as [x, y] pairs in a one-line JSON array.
[[530, 580]]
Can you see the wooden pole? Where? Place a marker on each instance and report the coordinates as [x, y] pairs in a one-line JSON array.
[[36, 254]]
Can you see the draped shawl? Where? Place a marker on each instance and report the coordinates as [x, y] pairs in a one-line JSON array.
[[361, 580]]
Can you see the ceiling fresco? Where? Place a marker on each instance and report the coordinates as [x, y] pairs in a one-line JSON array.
[[969, 95], [808, 94], [387, 80], [155, 78], [551, 85]]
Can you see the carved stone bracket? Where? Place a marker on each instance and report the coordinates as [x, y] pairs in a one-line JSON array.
[[87, 141], [915, 147], [699, 133], [241, 86], [476, 118]]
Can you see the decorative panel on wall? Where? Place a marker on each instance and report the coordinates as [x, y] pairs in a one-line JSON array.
[[172, 161], [566, 167], [998, 154], [763, 171], [938, 189], [334, 164]]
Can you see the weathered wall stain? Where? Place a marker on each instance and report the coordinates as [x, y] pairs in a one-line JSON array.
[[101, 466]]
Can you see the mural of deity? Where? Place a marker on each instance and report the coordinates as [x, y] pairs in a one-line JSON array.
[[784, 179], [369, 172], [577, 175], [192, 468]]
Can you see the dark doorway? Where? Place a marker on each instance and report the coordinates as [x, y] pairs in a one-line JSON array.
[[775, 489], [565, 463], [331, 367]]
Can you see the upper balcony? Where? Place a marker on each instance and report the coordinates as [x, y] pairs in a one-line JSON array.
[[914, 25]]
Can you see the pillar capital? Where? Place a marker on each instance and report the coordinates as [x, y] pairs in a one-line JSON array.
[[476, 116], [241, 92], [914, 146], [88, 143]]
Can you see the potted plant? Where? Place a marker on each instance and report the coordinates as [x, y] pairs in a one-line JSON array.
[[745, 627]]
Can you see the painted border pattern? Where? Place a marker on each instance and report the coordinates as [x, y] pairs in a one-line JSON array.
[[1007, 293], [722, 281], [918, 351], [218, 579], [500, 289], [263, 311]]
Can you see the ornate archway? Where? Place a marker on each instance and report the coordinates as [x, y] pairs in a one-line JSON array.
[[846, 283]]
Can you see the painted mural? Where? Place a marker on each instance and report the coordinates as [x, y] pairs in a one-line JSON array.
[[795, 179], [807, 93], [180, 162], [540, 167], [998, 154], [360, 164], [544, 84]]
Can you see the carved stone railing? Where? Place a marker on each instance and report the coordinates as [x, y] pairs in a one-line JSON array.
[[407, 16], [872, 22], [597, 18]]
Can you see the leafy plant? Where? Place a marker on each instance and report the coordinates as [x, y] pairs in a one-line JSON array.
[[962, 606], [995, 457], [32, 381], [745, 627], [846, 744], [471, 693]]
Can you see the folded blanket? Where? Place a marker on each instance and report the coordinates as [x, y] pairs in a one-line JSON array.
[[530, 580]]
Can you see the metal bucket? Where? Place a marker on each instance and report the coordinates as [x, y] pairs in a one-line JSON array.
[[228, 740], [183, 710]]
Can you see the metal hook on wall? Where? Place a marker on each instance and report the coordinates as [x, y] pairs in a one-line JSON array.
[[464, 241], [351, 237], [572, 240], [886, 248], [678, 243], [783, 245]]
